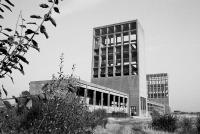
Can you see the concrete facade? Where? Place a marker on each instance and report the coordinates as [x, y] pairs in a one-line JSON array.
[[118, 62]]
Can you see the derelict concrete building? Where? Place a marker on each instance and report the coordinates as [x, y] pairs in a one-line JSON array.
[[158, 90], [118, 80], [118, 62]]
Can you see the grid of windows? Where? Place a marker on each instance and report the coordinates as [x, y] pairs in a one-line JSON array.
[[115, 50], [157, 85]]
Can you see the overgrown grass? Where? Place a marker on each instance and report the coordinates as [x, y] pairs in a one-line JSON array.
[[165, 123], [198, 124]]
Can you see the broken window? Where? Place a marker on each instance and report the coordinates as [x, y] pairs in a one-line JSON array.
[[117, 70], [118, 28], [110, 71], [125, 27], [95, 75], [133, 26], [97, 32]]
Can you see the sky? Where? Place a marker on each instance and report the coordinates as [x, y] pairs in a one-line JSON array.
[[172, 42]]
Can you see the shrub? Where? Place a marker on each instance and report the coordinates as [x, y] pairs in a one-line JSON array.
[[186, 126], [119, 114], [198, 124], [165, 123], [99, 117], [57, 110]]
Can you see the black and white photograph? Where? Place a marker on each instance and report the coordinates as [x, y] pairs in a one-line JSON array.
[[99, 66]]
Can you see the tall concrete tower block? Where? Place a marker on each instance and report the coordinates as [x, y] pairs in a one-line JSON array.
[[118, 62], [158, 90]]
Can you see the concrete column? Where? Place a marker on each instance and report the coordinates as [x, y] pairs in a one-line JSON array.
[[108, 99], [106, 71], [123, 101], [130, 52], [101, 98], [122, 60], [100, 43], [119, 101], [94, 97], [85, 93], [114, 51], [114, 99]]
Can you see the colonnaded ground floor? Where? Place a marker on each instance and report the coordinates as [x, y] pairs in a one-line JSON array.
[[94, 95]]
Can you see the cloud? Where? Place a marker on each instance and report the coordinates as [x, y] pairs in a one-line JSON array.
[[72, 6]]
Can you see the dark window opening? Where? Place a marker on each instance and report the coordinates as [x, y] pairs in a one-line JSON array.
[[103, 72], [104, 31], [126, 70], [111, 29], [110, 71], [105, 99], [133, 26], [118, 28], [98, 98], [118, 71], [97, 32], [95, 75], [111, 100], [125, 27], [90, 96], [117, 101]]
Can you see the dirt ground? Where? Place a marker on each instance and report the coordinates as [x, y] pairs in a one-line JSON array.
[[124, 126]]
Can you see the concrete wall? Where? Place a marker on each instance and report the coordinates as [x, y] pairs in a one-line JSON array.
[[141, 64], [126, 84]]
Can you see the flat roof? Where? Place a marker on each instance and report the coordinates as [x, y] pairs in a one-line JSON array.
[[120, 23], [86, 83]]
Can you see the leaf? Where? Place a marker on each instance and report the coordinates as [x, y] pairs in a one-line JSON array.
[[43, 30], [22, 26], [36, 16], [7, 70], [5, 34], [52, 21], [16, 33], [1, 17], [34, 43], [11, 78], [33, 23], [16, 99], [29, 31], [21, 69], [4, 90], [7, 7], [1, 9], [44, 6], [22, 58], [8, 29], [46, 17], [50, 1], [3, 50], [56, 2], [10, 3], [56, 9], [2, 76], [7, 104]]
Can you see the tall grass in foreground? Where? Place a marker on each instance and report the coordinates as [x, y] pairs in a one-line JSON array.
[[151, 131]]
